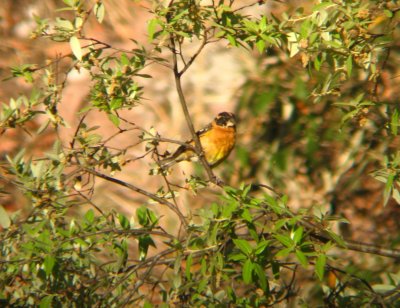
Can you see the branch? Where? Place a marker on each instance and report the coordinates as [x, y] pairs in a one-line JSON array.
[[154, 197], [189, 63], [182, 100], [321, 234], [324, 236]]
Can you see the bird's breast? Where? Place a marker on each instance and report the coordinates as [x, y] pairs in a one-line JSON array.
[[218, 144]]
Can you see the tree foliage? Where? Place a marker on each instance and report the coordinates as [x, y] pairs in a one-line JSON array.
[[248, 247]]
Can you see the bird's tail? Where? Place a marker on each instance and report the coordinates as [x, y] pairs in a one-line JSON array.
[[167, 162], [177, 157]]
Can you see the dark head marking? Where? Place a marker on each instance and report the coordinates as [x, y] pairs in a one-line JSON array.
[[227, 119]]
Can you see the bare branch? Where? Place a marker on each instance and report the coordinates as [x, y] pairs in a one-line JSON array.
[[199, 150], [189, 63], [152, 196]]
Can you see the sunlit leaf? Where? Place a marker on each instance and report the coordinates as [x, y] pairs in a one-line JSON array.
[[388, 188], [151, 28], [76, 47], [99, 11], [5, 220]]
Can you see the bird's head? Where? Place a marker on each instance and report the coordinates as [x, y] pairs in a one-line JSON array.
[[226, 119]]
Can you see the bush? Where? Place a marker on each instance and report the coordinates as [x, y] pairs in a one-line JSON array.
[[318, 119]]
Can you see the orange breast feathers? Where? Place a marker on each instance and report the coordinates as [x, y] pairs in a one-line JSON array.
[[218, 143]]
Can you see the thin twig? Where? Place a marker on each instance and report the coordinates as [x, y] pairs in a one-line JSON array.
[[182, 100], [324, 236], [189, 63], [166, 180], [152, 196], [72, 143]]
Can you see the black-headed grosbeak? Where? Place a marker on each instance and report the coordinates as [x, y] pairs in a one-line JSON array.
[[217, 140]]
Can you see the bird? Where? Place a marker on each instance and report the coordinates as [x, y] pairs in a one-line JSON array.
[[217, 140]]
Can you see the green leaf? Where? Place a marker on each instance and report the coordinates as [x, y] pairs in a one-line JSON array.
[[202, 285], [124, 59], [336, 238], [144, 242], [322, 6], [246, 215], [262, 277], [247, 271], [263, 24], [70, 3], [285, 240], [203, 266], [114, 119], [243, 245], [146, 217], [152, 217], [388, 188], [116, 103], [349, 116], [388, 13], [349, 66], [261, 246], [28, 77], [302, 258], [141, 214], [320, 266], [147, 305], [76, 47], [298, 235], [305, 29], [49, 262], [99, 11], [231, 39], [313, 37], [245, 190], [151, 28], [5, 220], [89, 216], [46, 301], [284, 252], [260, 46], [124, 222], [237, 257]]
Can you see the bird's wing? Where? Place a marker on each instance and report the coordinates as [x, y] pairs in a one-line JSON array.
[[182, 152], [203, 130]]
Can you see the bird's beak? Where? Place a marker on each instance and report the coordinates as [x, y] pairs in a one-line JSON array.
[[230, 123]]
